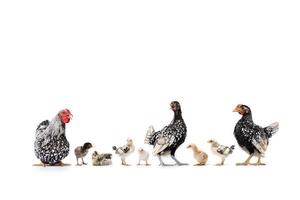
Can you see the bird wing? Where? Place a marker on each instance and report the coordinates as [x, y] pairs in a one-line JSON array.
[[150, 135], [123, 150], [221, 149], [259, 138], [224, 150], [162, 142], [260, 142]]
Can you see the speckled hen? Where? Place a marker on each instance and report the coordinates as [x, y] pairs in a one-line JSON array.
[[252, 138], [51, 145], [170, 137]]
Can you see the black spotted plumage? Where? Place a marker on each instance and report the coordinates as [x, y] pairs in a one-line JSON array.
[[51, 145], [54, 151], [170, 137], [175, 132]]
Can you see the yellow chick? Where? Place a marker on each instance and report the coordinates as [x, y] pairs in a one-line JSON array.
[[199, 155]]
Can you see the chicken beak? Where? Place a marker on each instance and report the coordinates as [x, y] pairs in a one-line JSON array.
[[71, 116], [237, 109]]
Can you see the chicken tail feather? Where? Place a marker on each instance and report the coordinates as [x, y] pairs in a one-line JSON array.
[[271, 129], [149, 135], [42, 127]]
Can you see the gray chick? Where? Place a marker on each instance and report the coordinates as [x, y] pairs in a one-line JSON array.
[[82, 151], [101, 159]]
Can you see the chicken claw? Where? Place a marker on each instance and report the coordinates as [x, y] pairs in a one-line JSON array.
[[259, 163], [247, 162], [40, 165], [177, 161]]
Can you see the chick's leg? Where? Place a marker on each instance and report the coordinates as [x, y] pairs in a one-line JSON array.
[[77, 162], [247, 162], [223, 160], [147, 163], [124, 162], [83, 162]]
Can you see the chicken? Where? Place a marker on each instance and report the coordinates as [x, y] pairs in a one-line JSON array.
[[220, 150], [51, 145], [125, 150], [82, 151], [199, 155], [101, 159], [143, 156], [170, 137], [253, 139]]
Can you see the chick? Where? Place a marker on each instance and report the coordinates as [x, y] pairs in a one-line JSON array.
[[220, 150], [143, 156], [199, 155], [101, 159], [125, 150], [82, 151]]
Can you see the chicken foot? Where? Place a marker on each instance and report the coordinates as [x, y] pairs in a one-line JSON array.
[[161, 163], [259, 162], [221, 163], [247, 162], [83, 162], [40, 165], [124, 162], [177, 161]]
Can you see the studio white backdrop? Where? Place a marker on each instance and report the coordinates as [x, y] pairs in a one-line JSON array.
[[118, 64]]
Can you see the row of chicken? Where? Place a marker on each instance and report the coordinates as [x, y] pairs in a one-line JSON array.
[[51, 145]]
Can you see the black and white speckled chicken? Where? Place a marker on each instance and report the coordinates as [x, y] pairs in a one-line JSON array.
[[252, 138], [125, 151], [51, 144], [170, 137], [220, 150]]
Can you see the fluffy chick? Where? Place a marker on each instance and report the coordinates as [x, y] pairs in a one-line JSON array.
[[199, 155], [125, 150], [101, 159], [143, 156], [82, 151], [221, 150]]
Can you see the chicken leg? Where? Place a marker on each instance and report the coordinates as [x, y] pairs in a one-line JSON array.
[[259, 161], [161, 163], [124, 162], [247, 162], [221, 163], [77, 162], [177, 161], [83, 162]]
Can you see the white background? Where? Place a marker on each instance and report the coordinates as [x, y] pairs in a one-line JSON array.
[[118, 64]]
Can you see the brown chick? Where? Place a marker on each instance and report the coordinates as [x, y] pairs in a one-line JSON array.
[[199, 155], [82, 151]]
